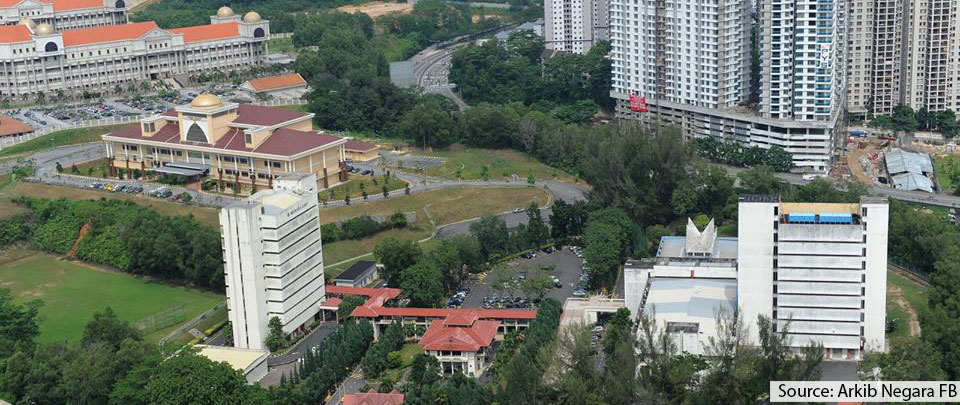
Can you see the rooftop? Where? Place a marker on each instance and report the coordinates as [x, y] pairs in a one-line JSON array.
[[911, 182], [107, 33], [65, 5], [373, 398], [239, 359], [11, 126], [377, 297], [14, 33], [676, 247], [354, 145], [468, 338], [277, 82], [691, 299], [356, 270], [902, 161], [208, 32]]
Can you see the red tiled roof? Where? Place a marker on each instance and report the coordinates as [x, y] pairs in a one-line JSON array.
[[277, 82], [10, 126], [64, 5], [354, 145], [267, 116], [9, 3], [373, 398], [288, 142], [374, 308], [14, 33], [332, 302], [107, 33], [461, 319], [208, 32], [466, 339]]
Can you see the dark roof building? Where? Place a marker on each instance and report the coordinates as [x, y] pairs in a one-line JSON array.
[[358, 275]]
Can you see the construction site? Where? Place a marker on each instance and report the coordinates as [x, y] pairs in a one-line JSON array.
[[906, 162]]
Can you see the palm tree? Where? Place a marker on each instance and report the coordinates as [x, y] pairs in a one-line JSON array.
[[117, 89]]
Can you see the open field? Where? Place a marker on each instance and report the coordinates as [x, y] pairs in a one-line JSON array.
[[280, 45], [72, 292], [345, 249], [208, 216], [96, 168], [59, 138], [373, 185], [915, 294], [501, 164], [906, 300], [376, 9], [944, 167], [445, 206]]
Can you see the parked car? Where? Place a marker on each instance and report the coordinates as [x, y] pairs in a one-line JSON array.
[[366, 172], [579, 293]]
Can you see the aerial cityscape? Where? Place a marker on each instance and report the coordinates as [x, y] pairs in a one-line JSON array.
[[479, 203]]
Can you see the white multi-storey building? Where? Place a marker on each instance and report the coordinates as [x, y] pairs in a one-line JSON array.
[[821, 267], [273, 259], [575, 25], [686, 63], [64, 14], [36, 58], [932, 73]]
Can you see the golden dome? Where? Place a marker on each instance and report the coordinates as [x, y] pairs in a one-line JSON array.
[[251, 17], [43, 29], [28, 22], [224, 12], [206, 101]]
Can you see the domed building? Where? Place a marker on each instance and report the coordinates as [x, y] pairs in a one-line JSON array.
[[74, 59], [65, 14], [240, 145]]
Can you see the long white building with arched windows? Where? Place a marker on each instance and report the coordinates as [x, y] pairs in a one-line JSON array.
[[37, 58], [65, 14]]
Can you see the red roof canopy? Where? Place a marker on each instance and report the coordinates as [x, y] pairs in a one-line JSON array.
[[208, 32], [107, 33], [373, 307], [472, 338]]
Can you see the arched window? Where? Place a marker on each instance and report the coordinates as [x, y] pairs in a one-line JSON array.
[[258, 33], [120, 4], [50, 47], [195, 134]]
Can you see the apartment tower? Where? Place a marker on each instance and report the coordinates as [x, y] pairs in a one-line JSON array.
[[273, 259], [819, 267], [575, 25]]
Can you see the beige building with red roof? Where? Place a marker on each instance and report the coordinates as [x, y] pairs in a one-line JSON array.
[[374, 398], [237, 144], [12, 131], [37, 58], [291, 84], [360, 151], [64, 14], [461, 342]]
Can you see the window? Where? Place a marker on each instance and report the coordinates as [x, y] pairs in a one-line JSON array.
[[195, 134], [247, 138]]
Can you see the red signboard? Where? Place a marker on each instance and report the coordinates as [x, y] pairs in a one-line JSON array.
[[638, 104]]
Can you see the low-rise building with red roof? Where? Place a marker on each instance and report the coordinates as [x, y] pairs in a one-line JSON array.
[[240, 145], [65, 14], [93, 56], [360, 151], [374, 398], [461, 342], [289, 85], [13, 131]]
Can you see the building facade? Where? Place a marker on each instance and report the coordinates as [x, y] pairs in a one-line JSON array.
[[820, 268], [273, 260], [36, 58], [64, 14], [575, 25], [244, 147], [461, 343], [687, 64]]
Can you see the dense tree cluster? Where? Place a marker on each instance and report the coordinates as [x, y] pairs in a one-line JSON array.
[[513, 71], [360, 227], [904, 118], [124, 235], [322, 369], [433, 21], [183, 13], [737, 154], [377, 358], [607, 240]]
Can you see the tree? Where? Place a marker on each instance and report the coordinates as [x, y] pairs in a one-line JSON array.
[[423, 284], [761, 180], [446, 258], [19, 323], [909, 359], [350, 302], [276, 338], [191, 379], [491, 233], [538, 286], [537, 231], [396, 255], [430, 123], [106, 328]]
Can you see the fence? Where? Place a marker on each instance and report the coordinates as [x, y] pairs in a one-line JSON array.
[[10, 141], [167, 317]]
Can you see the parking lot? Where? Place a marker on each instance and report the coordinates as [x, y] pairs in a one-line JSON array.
[[562, 264]]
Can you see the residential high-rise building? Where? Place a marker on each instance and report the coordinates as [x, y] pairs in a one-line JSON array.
[[575, 25], [817, 269], [687, 64], [903, 52], [273, 259]]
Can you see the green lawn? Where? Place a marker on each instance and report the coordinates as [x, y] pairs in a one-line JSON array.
[[372, 185], [59, 138], [72, 292], [97, 168], [916, 294], [407, 352], [345, 249], [895, 312], [280, 45], [944, 167], [468, 164]]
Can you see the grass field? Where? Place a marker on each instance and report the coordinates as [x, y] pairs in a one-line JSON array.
[[916, 294], [72, 292], [96, 168], [280, 45], [59, 138], [373, 185], [445, 206], [468, 164], [342, 250], [208, 216], [944, 167]]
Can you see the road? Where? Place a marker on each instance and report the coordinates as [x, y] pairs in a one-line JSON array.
[[284, 365]]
